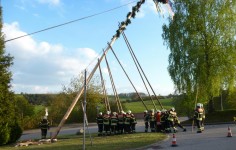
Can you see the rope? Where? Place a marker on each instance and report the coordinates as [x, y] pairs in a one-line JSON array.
[[69, 22], [145, 76], [127, 76], [104, 90], [130, 49], [113, 86]]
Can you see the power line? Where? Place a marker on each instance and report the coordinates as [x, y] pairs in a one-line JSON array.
[[69, 22]]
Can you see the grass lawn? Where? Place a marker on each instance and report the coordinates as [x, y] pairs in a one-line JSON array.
[[38, 108], [137, 107], [117, 142]]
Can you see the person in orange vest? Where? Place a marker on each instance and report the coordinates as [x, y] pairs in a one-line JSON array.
[[114, 121], [158, 121], [107, 123], [146, 120], [121, 117], [198, 115], [152, 120], [128, 122], [100, 123]]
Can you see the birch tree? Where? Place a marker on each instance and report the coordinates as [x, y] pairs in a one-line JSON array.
[[202, 42]]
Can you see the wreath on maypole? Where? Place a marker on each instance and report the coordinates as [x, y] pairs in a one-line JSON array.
[[130, 15]]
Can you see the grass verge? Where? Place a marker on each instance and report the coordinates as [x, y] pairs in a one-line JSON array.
[[117, 142], [137, 107]]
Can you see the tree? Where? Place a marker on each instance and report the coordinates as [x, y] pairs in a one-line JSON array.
[[9, 127], [202, 44], [62, 102], [24, 110]]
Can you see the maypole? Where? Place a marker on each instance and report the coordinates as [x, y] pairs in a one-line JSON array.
[[122, 27]]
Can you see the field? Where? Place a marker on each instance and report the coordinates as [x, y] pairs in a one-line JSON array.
[[138, 107], [117, 142]]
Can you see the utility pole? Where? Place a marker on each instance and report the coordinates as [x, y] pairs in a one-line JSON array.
[[85, 88]]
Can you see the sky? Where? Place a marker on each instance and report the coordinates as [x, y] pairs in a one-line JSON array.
[[46, 61]]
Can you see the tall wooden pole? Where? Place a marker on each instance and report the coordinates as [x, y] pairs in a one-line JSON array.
[[114, 38], [85, 88]]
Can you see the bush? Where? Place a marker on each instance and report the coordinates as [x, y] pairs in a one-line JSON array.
[[4, 133], [15, 132]]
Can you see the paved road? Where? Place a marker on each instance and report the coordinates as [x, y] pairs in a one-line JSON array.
[[69, 129], [213, 138]]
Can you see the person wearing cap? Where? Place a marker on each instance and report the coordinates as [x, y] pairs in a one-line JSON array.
[[100, 123], [203, 117], [127, 122], [114, 121], [198, 115], [158, 121], [152, 120], [177, 123], [44, 125], [164, 122], [171, 123], [121, 122], [146, 120], [133, 123], [107, 123]]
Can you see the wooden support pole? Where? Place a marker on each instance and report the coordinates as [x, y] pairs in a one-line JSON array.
[[121, 29]]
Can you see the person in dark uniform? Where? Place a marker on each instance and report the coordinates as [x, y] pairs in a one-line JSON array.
[[107, 123], [121, 117], [133, 123], [44, 125], [100, 123], [146, 120], [152, 120], [114, 123], [128, 122]]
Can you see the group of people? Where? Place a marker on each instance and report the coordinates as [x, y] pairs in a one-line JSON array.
[[116, 123], [162, 121]]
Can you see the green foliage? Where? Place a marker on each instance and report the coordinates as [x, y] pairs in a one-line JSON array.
[[23, 107], [186, 102], [203, 49], [15, 132], [7, 109], [38, 99], [216, 117], [60, 104], [4, 133]]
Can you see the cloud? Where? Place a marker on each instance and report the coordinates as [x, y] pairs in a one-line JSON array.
[[42, 66], [50, 2]]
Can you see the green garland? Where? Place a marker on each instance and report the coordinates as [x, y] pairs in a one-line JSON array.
[[132, 14]]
